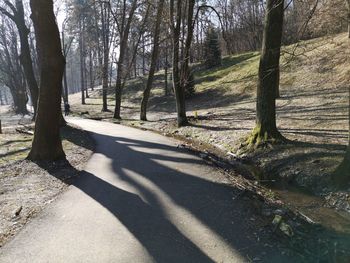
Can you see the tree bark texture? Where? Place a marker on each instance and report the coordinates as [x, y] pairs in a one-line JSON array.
[[47, 143], [155, 53], [120, 64], [266, 128], [178, 89]]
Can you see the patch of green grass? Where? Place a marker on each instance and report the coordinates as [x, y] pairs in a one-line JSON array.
[[239, 70], [236, 73]]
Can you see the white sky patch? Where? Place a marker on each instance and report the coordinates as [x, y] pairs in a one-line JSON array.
[[60, 12]]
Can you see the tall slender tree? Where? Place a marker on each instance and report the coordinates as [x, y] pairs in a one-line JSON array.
[[124, 31], [176, 14], [105, 35], [155, 52], [47, 143], [266, 129]]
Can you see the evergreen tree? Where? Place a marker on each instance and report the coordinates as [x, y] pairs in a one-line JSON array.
[[212, 49]]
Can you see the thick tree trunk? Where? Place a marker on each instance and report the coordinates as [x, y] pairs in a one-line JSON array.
[[19, 99], [47, 143], [266, 129], [178, 89], [155, 52]]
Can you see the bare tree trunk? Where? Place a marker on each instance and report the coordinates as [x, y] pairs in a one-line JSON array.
[[91, 70], [66, 93], [19, 97], [120, 63], [86, 79], [190, 26], [81, 48], [179, 92], [65, 84], [105, 41], [25, 57], [166, 70], [143, 56], [155, 52], [348, 5], [266, 129], [47, 143], [118, 89], [135, 69]]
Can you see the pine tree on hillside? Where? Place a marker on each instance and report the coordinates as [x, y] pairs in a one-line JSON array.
[[212, 49]]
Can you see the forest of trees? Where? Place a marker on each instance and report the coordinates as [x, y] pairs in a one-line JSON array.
[[49, 50], [178, 128]]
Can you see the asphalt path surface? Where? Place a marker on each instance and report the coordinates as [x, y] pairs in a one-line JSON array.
[[141, 198]]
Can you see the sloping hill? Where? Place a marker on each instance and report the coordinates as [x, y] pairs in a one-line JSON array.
[[314, 95], [312, 112], [312, 108]]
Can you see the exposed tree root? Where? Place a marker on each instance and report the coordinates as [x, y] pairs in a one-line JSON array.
[[262, 138], [182, 122]]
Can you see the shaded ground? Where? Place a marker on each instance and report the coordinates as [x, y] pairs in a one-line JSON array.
[[312, 111], [26, 187], [10, 121], [170, 207]]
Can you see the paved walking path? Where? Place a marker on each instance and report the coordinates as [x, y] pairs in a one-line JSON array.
[[140, 199]]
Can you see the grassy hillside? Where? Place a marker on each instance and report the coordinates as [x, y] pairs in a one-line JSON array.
[[312, 112], [313, 106]]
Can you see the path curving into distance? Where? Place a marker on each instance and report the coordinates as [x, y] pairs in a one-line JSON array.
[[141, 199]]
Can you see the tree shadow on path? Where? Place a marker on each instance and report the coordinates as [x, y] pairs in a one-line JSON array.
[[175, 212]]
